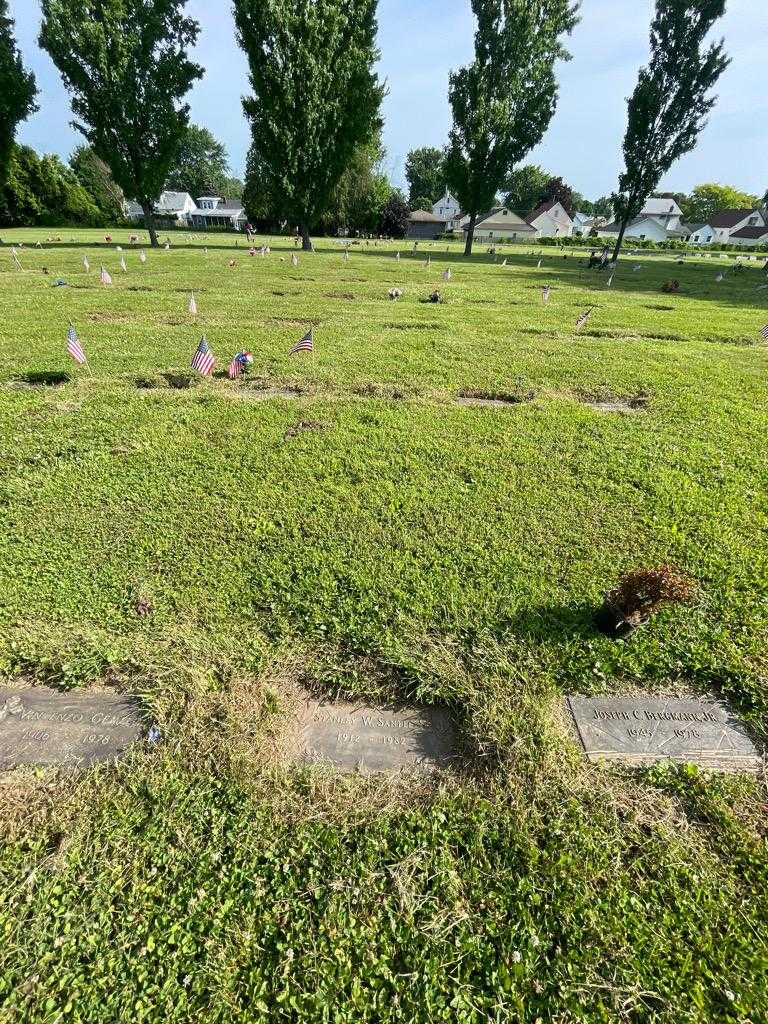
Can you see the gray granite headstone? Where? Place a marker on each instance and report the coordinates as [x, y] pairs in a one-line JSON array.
[[643, 730], [374, 739], [43, 727]]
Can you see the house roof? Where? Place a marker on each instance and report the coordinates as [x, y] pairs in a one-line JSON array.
[[230, 204], [545, 208], [426, 216], [661, 208], [750, 233], [502, 218], [173, 200], [730, 218], [693, 228]]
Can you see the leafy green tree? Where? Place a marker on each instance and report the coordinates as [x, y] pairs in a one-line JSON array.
[[358, 200], [425, 174], [125, 63], [602, 207], [95, 177], [707, 200], [582, 205], [670, 104], [17, 90], [522, 188], [201, 165], [316, 97], [41, 190], [421, 203], [503, 102], [394, 216], [233, 188]]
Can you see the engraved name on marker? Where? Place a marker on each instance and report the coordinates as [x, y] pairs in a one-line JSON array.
[[39, 726], [644, 730], [359, 737]]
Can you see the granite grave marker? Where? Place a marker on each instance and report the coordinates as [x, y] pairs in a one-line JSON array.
[[374, 739], [39, 726], [644, 730]]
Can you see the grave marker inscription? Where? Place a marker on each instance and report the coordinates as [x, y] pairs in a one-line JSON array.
[[359, 737], [39, 726], [644, 730]]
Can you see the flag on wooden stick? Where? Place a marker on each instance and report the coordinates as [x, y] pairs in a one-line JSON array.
[[203, 360], [307, 343], [192, 305], [74, 347], [122, 264], [239, 364], [294, 260], [86, 264], [447, 274], [545, 293], [583, 318], [610, 281], [538, 265], [143, 257], [105, 276]]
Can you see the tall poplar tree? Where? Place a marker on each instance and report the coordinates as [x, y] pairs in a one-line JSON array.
[[316, 97], [669, 106], [503, 102], [17, 90], [125, 63]]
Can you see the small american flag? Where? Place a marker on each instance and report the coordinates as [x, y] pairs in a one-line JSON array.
[[307, 343], [764, 333], [143, 257], [397, 255], [610, 281], [538, 265], [719, 278], [203, 360], [294, 260], [235, 367], [346, 255], [545, 293], [504, 263], [74, 347], [105, 276], [122, 264], [86, 264], [447, 275], [192, 304], [583, 318]]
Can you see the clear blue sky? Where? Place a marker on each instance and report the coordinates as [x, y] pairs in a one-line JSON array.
[[421, 40]]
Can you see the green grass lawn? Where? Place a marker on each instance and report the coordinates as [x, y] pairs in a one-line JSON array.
[[408, 546]]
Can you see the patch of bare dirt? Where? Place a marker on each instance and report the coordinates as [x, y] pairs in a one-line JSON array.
[[493, 399]]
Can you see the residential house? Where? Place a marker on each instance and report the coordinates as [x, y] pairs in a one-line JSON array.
[[448, 208], [750, 237], [701, 234], [728, 222], [214, 212], [551, 220], [174, 208], [501, 225], [423, 224]]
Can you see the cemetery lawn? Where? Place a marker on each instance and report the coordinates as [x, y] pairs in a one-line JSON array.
[[341, 522]]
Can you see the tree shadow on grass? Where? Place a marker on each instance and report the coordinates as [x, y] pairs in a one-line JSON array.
[[554, 622]]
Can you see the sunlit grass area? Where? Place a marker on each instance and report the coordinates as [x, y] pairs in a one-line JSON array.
[[350, 521]]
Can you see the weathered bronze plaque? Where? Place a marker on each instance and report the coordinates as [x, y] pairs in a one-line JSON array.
[[358, 737], [643, 730], [42, 727]]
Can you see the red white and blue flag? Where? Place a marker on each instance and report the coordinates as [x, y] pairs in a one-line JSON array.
[[764, 333], [239, 364], [203, 360], [74, 347], [583, 318], [307, 343], [546, 291], [106, 277]]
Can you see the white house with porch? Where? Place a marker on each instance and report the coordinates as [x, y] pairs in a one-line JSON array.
[[447, 208], [501, 225]]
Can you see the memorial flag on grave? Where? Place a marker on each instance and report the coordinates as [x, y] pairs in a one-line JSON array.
[[307, 343], [203, 360], [74, 347]]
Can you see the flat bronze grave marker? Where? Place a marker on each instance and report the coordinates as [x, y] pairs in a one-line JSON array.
[[359, 737], [644, 730], [42, 727]]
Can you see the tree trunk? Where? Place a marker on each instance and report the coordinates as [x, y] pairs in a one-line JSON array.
[[470, 235], [149, 221], [620, 239], [306, 241]]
